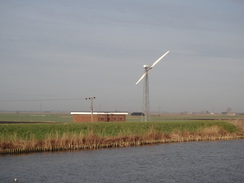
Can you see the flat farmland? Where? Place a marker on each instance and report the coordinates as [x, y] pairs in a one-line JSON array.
[[36, 117], [67, 118]]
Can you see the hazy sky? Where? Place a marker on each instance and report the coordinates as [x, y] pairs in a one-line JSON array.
[[75, 49]]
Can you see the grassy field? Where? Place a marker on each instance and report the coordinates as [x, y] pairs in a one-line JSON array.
[[41, 131], [62, 134], [66, 118], [175, 117], [36, 117]]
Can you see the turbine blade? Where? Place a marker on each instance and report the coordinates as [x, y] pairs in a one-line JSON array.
[[159, 59], [141, 78]]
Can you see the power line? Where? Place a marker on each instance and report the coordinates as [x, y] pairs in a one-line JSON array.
[[38, 100]]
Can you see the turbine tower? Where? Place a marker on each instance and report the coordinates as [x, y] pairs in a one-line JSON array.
[[146, 102]]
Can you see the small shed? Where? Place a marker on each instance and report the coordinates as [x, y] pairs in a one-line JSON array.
[[98, 116]]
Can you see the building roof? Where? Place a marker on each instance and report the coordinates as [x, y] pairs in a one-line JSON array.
[[114, 113]]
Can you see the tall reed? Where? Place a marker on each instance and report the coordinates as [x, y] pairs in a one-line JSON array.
[[125, 137]]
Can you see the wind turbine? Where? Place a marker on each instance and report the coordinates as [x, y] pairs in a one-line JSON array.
[[146, 103]]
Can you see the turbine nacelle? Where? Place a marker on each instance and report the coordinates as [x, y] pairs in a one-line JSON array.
[[147, 67]]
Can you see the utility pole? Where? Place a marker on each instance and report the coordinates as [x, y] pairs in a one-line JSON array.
[[91, 107]]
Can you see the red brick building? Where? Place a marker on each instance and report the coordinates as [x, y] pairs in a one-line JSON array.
[[98, 116]]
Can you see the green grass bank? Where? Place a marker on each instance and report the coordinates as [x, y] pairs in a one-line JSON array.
[[20, 138]]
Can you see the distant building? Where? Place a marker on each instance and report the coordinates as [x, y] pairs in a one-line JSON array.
[[229, 113], [98, 116]]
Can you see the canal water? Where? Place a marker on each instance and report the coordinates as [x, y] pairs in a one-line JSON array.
[[216, 161]]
